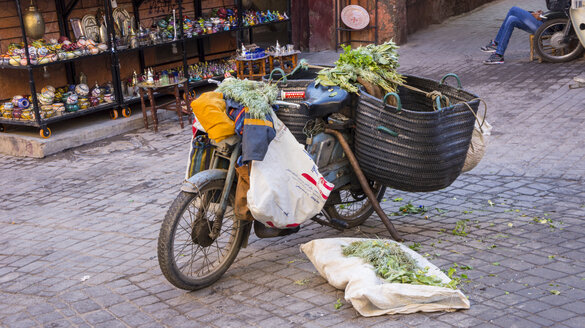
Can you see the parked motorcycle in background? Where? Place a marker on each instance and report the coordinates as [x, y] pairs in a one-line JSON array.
[[560, 38]]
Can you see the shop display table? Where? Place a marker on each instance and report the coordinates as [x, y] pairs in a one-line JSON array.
[[242, 63], [282, 58], [175, 105]]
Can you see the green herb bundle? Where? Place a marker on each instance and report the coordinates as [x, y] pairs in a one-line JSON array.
[[393, 264], [374, 64], [257, 96]]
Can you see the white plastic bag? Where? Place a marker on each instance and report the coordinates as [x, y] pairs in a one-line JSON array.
[[369, 294], [286, 188]]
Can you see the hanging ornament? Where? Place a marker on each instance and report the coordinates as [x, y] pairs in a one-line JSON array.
[[34, 24]]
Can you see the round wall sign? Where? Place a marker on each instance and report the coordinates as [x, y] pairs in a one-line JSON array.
[[355, 17]]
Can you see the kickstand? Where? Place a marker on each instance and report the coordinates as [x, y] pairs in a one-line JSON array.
[[364, 184]]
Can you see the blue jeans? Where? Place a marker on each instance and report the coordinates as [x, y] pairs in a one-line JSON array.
[[519, 18]]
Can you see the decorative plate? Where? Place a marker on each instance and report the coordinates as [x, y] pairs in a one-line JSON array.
[[90, 27], [355, 17], [121, 19]]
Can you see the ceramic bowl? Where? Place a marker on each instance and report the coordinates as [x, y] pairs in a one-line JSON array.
[[27, 115], [48, 88], [96, 92], [82, 90], [72, 99], [16, 113], [7, 113], [48, 94]]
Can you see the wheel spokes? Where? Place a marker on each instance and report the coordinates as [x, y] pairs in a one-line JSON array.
[[192, 259]]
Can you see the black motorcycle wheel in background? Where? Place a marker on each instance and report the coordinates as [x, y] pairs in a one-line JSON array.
[[355, 207], [187, 256], [550, 44]]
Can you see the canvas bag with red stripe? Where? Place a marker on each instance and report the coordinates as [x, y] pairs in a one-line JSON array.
[[286, 188]]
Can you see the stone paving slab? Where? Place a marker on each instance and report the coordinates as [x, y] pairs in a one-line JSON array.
[[72, 133], [78, 229]]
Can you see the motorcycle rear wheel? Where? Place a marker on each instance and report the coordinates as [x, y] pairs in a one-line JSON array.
[[188, 258], [354, 208], [549, 44]]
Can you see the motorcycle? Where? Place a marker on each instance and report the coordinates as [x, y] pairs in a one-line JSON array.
[[200, 236], [561, 37]]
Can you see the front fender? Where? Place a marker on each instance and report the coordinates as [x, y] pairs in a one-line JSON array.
[[194, 183]]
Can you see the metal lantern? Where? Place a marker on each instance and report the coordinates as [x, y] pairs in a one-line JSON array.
[[34, 24]]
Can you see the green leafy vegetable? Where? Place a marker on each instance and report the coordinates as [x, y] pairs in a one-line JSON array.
[[393, 264], [375, 64], [257, 96]]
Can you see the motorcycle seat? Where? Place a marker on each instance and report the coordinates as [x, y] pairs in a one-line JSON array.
[[321, 101]]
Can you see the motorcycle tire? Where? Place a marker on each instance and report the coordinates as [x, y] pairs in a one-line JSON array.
[[188, 258], [354, 210], [548, 42]]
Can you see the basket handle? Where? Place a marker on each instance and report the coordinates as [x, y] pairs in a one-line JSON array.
[[281, 72], [438, 101], [386, 130], [398, 102], [451, 75]]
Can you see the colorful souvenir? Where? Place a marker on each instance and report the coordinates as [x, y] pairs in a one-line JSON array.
[[82, 90]]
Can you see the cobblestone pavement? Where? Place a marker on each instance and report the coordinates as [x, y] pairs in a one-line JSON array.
[[78, 229]]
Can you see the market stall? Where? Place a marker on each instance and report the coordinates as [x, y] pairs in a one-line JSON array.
[[87, 60]]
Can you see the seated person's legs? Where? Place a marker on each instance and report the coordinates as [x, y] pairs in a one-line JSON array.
[[516, 18]]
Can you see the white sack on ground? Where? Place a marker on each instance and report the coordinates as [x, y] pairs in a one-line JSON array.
[[369, 294]]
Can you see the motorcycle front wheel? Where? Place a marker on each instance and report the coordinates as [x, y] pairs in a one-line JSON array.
[[355, 207], [188, 257], [550, 44]]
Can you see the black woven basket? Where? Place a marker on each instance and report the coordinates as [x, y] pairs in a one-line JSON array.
[[291, 117], [430, 147]]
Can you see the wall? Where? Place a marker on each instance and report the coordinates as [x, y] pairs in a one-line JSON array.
[[313, 21], [97, 69], [422, 13]]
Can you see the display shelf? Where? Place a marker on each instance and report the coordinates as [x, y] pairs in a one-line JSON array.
[[57, 118], [64, 9], [197, 37], [65, 61]]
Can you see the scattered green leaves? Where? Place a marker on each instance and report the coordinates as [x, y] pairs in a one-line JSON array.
[[338, 304], [555, 292], [398, 199], [302, 282], [410, 209], [460, 227], [496, 263], [415, 247]]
